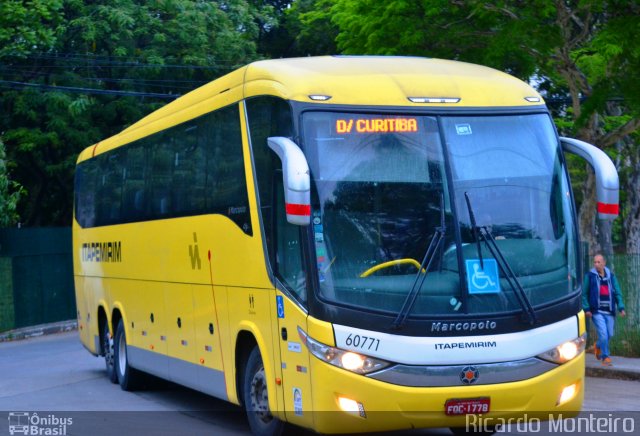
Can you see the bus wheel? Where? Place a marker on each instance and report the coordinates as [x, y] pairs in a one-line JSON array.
[[107, 349], [128, 377], [256, 400]]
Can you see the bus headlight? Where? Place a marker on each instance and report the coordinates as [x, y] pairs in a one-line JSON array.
[[565, 352], [349, 360]]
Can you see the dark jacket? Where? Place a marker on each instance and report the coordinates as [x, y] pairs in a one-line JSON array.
[[591, 291]]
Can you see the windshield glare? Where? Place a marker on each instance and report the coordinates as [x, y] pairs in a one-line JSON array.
[[380, 191]]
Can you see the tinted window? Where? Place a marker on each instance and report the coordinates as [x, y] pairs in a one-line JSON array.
[[85, 191], [194, 168], [135, 196], [269, 116], [109, 188]]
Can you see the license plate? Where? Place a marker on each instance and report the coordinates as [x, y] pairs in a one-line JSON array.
[[467, 406]]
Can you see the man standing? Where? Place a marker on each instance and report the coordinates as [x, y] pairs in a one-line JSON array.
[[601, 297]]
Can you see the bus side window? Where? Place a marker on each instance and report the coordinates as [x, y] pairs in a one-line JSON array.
[[134, 198], [85, 188], [188, 189], [161, 176], [109, 187], [271, 116], [225, 175]]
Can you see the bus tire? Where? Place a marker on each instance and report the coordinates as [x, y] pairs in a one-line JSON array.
[[256, 403], [128, 377], [108, 350]]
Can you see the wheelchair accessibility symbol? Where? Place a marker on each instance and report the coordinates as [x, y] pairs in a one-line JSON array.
[[280, 306], [482, 281]]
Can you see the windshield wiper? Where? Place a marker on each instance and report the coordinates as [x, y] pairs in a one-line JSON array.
[[436, 242], [484, 233], [474, 229]]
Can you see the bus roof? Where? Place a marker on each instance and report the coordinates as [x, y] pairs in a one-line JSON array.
[[388, 81], [350, 80]]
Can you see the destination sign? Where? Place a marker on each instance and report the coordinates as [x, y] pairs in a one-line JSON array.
[[376, 125]]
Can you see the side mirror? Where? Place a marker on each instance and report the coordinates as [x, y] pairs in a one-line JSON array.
[[297, 183], [607, 184]]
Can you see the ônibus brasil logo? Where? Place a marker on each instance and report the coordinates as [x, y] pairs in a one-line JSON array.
[[33, 424]]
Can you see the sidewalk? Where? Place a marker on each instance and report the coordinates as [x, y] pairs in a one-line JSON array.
[[624, 368], [39, 330]]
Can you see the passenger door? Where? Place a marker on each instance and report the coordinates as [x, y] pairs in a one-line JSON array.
[[291, 298], [296, 382]]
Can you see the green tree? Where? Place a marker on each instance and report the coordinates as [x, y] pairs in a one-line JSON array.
[[86, 77], [296, 28], [28, 25], [10, 193], [274, 38], [314, 32], [583, 54]]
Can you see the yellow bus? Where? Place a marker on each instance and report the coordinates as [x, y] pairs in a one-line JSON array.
[[346, 244]]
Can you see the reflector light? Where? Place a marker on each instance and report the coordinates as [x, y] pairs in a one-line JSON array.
[[318, 97], [612, 209], [533, 99], [433, 99], [298, 209]]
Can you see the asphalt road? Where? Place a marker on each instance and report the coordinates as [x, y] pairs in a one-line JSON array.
[[57, 379]]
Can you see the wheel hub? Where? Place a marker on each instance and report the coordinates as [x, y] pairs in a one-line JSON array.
[[122, 355], [108, 349], [259, 399]]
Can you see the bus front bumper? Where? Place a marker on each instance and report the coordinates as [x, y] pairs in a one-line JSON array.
[[372, 405]]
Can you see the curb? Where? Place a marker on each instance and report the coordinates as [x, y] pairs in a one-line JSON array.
[[39, 330], [612, 373], [624, 368]]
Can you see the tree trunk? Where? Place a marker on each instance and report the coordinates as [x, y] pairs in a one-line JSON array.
[[604, 230], [631, 225], [587, 214]]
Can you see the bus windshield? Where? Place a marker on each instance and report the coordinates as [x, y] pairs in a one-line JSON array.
[[380, 190]]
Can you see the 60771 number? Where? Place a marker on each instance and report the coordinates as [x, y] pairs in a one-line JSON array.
[[362, 342]]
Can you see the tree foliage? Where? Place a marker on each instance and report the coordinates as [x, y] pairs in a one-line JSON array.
[[28, 26], [75, 72], [583, 55], [310, 22], [10, 193]]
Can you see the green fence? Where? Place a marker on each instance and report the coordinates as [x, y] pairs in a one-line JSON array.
[[626, 341], [36, 277]]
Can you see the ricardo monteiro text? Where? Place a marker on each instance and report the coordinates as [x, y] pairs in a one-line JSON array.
[[453, 345], [462, 326], [102, 251]]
